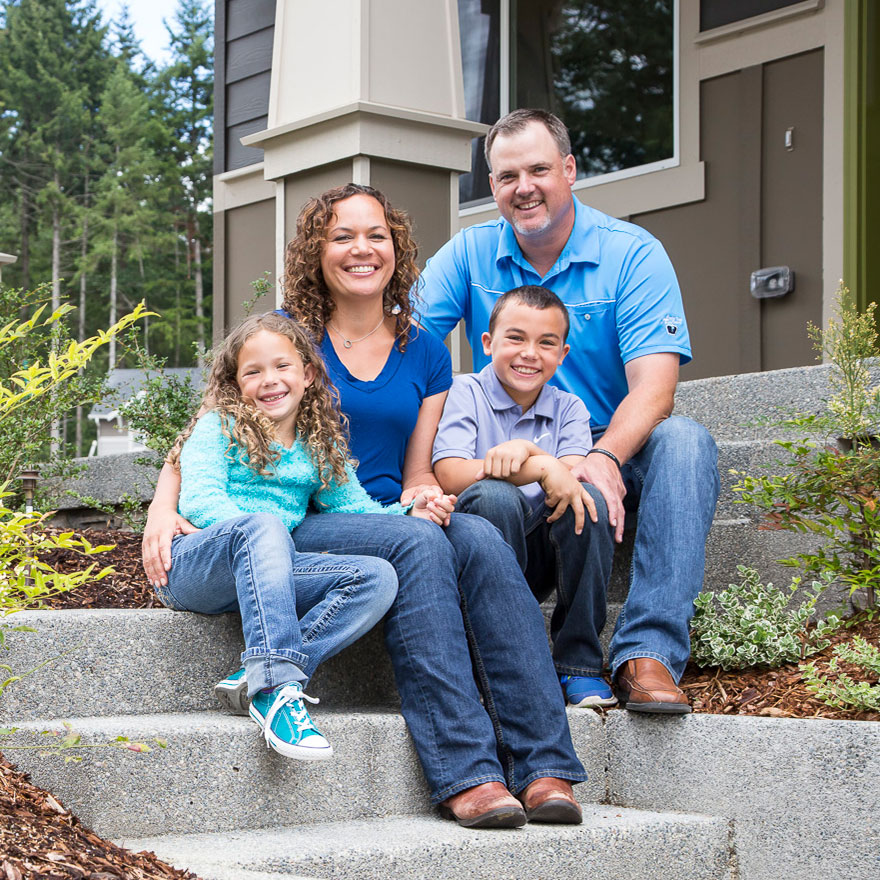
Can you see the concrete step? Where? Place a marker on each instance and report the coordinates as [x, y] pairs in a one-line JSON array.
[[216, 772], [612, 844]]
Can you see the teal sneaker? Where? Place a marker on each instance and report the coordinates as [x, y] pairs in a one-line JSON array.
[[232, 693], [586, 692], [286, 725]]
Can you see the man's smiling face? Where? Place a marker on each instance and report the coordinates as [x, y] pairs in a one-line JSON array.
[[530, 181]]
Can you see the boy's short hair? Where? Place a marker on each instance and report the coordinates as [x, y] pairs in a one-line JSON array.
[[534, 296]]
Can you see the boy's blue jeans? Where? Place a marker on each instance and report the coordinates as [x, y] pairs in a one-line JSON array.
[[297, 609], [672, 484], [494, 713]]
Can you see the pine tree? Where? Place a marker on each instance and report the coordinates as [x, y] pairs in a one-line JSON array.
[[189, 88]]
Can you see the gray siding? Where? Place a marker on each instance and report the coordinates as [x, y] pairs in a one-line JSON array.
[[243, 60]]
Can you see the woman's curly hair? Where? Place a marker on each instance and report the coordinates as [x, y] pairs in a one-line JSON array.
[[306, 296], [319, 423]]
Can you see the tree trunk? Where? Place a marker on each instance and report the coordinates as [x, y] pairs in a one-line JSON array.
[[200, 293], [81, 323], [111, 345], [55, 430]]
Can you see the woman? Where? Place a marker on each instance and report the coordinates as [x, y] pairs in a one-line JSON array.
[[349, 272]]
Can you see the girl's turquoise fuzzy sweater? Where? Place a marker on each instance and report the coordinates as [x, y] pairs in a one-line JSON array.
[[216, 486]]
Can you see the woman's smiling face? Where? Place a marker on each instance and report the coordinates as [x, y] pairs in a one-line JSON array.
[[358, 255]]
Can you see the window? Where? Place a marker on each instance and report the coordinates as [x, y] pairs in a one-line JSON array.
[[606, 68]]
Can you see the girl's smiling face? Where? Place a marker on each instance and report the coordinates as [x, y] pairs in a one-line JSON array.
[[358, 255], [271, 374]]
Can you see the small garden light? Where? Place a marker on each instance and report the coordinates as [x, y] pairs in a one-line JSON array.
[[29, 487]]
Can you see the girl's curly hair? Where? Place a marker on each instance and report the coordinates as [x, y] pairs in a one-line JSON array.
[[306, 296], [319, 423]]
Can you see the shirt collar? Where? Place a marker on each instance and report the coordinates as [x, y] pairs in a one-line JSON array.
[[582, 245], [501, 401]]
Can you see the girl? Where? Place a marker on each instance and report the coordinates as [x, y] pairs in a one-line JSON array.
[[268, 443]]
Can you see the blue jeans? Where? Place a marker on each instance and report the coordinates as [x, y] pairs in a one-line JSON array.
[[673, 484], [555, 559], [461, 589], [297, 609]]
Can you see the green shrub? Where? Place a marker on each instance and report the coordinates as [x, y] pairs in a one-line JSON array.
[[831, 487], [751, 624], [840, 690]]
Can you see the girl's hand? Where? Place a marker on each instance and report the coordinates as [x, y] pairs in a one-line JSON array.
[[434, 506], [161, 528], [409, 495]]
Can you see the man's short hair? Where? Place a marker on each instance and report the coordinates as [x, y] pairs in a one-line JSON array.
[[531, 295], [518, 120]]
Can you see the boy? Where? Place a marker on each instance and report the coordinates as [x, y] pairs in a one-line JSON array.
[[505, 445]]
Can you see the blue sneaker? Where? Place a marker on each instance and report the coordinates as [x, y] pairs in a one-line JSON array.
[[587, 692], [286, 725], [232, 693]]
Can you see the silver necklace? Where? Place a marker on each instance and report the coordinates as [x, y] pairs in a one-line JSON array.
[[348, 343]]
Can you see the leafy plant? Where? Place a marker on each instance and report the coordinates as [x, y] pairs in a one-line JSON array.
[[129, 508], [841, 690], [831, 487], [751, 624], [163, 406], [61, 742], [25, 580]]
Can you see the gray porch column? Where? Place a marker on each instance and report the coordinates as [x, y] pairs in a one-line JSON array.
[[368, 91]]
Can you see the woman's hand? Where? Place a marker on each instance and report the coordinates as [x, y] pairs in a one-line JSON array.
[[409, 495], [161, 528], [434, 506]]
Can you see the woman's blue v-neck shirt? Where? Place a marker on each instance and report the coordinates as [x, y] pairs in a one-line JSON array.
[[382, 413]]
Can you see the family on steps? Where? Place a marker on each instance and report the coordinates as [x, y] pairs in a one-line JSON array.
[[337, 475]]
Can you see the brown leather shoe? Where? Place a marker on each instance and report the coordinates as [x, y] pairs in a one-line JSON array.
[[645, 685], [551, 800], [489, 805]]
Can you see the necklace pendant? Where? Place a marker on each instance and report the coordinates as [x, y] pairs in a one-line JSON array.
[[347, 343]]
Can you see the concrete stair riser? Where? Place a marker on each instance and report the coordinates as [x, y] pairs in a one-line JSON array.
[[216, 772], [803, 795], [612, 844]]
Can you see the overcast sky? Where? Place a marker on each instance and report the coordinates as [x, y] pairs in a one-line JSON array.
[[147, 16]]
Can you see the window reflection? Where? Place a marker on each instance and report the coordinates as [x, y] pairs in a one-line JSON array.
[[604, 67]]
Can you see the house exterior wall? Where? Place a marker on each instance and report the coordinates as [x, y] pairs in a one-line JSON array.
[[362, 118]]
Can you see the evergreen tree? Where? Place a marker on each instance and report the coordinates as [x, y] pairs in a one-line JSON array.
[[188, 86]]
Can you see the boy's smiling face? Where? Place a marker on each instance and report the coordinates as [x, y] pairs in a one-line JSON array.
[[526, 347]]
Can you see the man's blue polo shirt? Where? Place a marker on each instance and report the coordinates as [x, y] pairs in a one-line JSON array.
[[480, 414], [615, 278]]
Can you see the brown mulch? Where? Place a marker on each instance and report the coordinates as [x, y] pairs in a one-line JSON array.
[[41, 840]]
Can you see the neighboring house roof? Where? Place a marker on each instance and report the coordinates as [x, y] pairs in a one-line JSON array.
[[123, 384]]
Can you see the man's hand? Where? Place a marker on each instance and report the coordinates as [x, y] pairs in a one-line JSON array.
[[563, 490], [603, 473], [161, 528], [506, 458]]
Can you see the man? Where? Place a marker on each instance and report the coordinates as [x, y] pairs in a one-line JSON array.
[[628, 337]]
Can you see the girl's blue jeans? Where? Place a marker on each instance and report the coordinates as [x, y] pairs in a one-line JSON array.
[[464, 625], [297, 609]]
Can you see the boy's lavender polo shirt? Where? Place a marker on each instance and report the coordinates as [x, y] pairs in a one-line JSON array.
[[480, 414]]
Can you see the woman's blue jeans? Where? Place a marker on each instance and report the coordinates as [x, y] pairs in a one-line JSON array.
[[464, 625], [297, 609]]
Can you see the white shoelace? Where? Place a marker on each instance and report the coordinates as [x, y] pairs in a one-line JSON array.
[[289, 694]]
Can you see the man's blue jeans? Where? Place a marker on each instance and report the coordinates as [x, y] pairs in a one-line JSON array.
[[461, 587], [297, 609], [672, 484]]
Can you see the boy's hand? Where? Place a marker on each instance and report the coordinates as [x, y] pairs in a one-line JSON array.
[[505, 459], [409, 494], [562, 490], [434, 506]]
